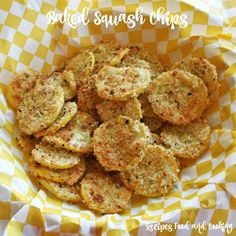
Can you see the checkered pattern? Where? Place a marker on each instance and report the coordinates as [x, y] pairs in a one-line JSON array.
[[207, 187]]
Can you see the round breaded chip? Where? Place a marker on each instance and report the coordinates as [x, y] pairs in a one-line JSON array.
[[178, 96], [88, 96], [103, 193], [82, 64], [119, 84], [155, 175], [121, 143], [108, 53], [54, 158], [134, 62], [111, 109], [66, 176], [26, 142], [142, 58], [187, 141], [132, 59], [65, 79], [76, 135], [62, 191], [67, 112], [49, 79], [156, 67], [206, 71], [40, 107], [68, 84], [20, 85]]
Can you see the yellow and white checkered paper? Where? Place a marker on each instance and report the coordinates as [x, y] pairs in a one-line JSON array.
[[207, 187]]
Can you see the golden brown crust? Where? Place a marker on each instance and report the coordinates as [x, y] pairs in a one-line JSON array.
[[62, 191], [68, 84], [156, 67], [156, 139], [206, 71], [40, 107], [87, 96], [19, 86], [26, 142], [153, 121], [54, 158], [66, 176], [155, 175], [143, 58], [121, 83], [187, 141], [82, 64], [66, 114], [49, 79], [132, 59], [143, 105], [146, 106], [178, 96], [63, 62], [108, 53], [121, 143], [111, 109], [64, 79], [76, 135], [103, 193]]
